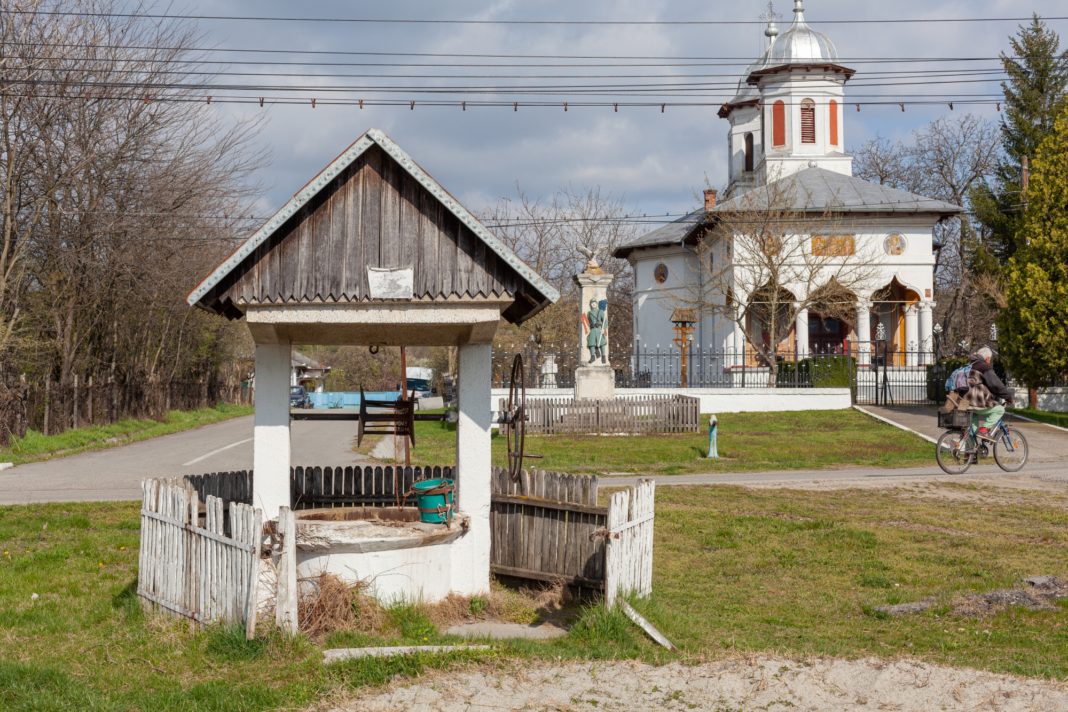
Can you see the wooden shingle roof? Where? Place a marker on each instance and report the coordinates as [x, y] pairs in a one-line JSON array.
[[372, 207]]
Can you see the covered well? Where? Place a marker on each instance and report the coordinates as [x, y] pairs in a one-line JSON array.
[[373, 251]]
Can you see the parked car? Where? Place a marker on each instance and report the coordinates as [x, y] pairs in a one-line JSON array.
[[298, 397]]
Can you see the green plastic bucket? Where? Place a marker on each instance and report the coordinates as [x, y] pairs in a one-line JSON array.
[[434, 499]]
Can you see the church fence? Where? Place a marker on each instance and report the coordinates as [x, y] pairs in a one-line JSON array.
[[876, 372]]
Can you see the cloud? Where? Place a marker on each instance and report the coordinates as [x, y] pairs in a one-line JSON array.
[[657, 161]]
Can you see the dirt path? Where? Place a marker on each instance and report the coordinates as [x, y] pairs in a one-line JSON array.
[[756, 683]]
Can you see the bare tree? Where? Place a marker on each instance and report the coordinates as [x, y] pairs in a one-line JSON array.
[[947, 160], [138, 191], [547, 235], [765, 259]]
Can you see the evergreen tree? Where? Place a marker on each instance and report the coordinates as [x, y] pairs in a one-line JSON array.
[[1035, 95], [1034, 325]]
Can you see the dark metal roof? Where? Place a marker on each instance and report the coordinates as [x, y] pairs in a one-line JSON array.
[[674, 233], [820, 190]]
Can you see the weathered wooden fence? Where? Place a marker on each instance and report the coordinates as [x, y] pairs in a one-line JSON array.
[[206, 573], [629, 557], [548, 526], [545, 527], [644, 414], [325, 487]]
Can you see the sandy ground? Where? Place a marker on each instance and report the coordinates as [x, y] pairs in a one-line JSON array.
[[757, 683]]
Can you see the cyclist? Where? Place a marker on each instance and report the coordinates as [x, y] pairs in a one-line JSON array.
[[985, 392]]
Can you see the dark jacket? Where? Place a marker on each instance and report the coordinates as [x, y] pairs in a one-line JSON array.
[[993, 385]]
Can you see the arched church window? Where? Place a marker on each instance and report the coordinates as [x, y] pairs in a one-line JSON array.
[[749, 153], [833, 116], [778, 124], [808, 121]]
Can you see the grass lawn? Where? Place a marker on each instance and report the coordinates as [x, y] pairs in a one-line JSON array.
[[35, 446], [747, 442], [736, 571], [1044, 416]]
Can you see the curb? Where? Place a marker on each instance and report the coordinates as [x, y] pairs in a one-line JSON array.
[[1010, 413], [899, 426]]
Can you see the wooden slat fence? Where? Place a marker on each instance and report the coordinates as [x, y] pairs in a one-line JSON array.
[[641, 414], [325, 487], [206, 573], [629, 557]]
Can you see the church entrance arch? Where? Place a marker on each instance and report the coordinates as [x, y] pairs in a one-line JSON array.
[[893, 316]]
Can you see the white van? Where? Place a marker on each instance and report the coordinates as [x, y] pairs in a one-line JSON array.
[[420, 380]]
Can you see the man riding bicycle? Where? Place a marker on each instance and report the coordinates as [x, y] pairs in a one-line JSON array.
[[985, 391]]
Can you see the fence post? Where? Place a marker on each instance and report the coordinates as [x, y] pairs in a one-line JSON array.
[[285, 604], [47, 403], [74, 404]]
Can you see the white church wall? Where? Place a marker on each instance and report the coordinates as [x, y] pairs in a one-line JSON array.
[[792, 89], [653, 301]]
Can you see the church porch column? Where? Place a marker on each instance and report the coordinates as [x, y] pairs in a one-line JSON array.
[[863, 333], [801, 333], [912, 340], [926, 333]]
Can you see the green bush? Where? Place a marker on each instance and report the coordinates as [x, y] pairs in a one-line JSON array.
[[820, 372]]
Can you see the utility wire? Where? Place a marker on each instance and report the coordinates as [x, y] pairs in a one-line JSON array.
[[436, 21]]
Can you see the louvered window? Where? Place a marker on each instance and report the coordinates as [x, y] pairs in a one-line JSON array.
[[808, 121]]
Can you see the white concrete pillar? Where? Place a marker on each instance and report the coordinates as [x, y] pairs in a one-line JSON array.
[[863, 330], [912, 335], [471, 554], [926, 333], [801, 333], [738, 346], [271, 448]]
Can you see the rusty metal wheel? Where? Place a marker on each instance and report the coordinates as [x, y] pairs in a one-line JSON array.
[[515, 418]]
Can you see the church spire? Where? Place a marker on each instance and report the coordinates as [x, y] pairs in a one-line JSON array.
[[799, 12], [772, 30]]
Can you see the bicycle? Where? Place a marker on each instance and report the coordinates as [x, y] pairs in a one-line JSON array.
[[961, 445]]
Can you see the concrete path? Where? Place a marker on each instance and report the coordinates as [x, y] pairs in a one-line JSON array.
[[1047, 444], [116, 474]]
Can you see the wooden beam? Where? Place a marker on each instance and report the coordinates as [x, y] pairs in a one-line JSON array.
[[549, 504], [542, 576], [337, 655], [645, 625]]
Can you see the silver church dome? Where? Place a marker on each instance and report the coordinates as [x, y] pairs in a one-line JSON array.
[[801, 44]]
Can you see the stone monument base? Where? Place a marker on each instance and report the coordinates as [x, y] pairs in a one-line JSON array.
[[595, 382]]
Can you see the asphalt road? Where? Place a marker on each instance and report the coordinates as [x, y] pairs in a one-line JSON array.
[[116, 474]]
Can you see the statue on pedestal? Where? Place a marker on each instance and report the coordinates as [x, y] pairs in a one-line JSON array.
[[595, 322]]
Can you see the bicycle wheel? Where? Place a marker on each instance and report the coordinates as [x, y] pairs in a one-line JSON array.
[[1010, 450], [952, 452]]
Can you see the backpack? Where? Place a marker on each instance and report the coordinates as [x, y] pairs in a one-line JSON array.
[[958, 380]]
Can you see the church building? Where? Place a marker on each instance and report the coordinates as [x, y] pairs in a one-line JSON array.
[[787, 156]]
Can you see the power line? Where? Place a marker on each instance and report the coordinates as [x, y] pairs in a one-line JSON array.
[[442, 21]]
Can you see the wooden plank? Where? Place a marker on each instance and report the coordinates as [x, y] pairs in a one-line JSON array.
[[518, 572], [286, 596], [337, 655], [646, 626]]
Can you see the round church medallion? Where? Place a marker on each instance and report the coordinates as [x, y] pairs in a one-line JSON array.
[[895, 245], [660, 274]]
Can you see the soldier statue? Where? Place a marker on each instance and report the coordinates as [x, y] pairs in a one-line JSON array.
[[597, 324]]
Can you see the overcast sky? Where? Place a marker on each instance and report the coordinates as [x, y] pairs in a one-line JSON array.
[[656, 162]]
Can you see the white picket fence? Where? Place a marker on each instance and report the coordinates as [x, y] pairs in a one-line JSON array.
[[629, 556], [200, 573]]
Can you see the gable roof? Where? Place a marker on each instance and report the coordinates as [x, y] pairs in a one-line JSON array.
[[817, 190], [538, 293], [674, 233]]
